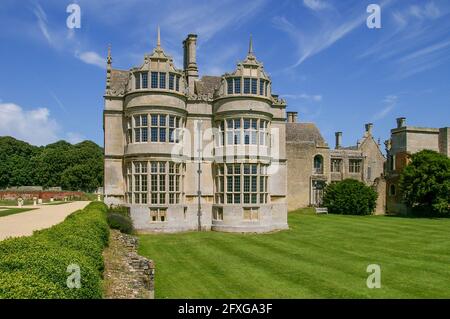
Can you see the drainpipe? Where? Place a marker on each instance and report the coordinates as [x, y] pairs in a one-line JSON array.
[[199, 172]]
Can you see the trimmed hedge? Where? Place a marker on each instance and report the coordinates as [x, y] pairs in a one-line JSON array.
[[350, 197], [36, 266], [119, 218]]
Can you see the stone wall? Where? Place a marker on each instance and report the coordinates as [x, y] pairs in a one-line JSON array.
[[143, 267], [45, 195]]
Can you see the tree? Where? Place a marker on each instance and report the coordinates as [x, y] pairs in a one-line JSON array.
[[74, 167], [425, 184], [350, 197]]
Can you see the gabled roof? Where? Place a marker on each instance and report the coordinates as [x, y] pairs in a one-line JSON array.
[[304, 132]]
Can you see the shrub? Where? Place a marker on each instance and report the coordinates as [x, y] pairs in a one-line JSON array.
[[425, 184], [350, 197], [120, 222], [36, 266]]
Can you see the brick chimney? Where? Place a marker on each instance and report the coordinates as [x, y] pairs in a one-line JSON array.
[[338, 139], [190, 60], [292, 117], [369, 127], [401, 122]]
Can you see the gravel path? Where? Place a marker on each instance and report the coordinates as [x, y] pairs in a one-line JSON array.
[[23, 224]]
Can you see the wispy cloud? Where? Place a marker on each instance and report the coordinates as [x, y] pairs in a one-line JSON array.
[[91, 57], [63, 39], [389, 103], [416, 41], [316, 5], [327, 31], [208, 18], [304, 96]]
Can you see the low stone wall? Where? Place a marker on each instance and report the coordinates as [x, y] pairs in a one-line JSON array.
[[143, 267], [45, 195]]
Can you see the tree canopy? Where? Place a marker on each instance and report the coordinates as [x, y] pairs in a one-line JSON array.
[[350, 197], [425, 183], [73, 167]]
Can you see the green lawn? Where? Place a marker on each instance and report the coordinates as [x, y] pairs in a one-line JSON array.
[[322, 256], [5, 211]]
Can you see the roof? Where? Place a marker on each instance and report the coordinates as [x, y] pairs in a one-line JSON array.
[[119, 81], [304, 132], [207, 84]]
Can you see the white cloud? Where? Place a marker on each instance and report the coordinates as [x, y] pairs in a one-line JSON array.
[[316, 5], [320, 39], [34, 126], [304, 96], [75, 138], [91, 57], [64, 39]]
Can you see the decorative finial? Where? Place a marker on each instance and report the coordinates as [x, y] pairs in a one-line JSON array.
[[109, 58], [250, 46], [158, 42]]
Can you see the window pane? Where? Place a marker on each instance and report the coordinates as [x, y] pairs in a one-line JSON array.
[[145, 80], [246, 85], [162, 120], [154, 134], [162, 80], [144, 135], [171, 81], [154, 120], [137, 78], [230, 86], [178, 83], [254, 85], [154, 80], [162, 134], [237, 85]]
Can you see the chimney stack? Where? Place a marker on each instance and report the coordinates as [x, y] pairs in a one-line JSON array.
[[190, 60], [401, 122], [292, 117], [338, 140], [369, 127]]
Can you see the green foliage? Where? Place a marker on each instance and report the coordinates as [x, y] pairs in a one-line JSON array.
[[119, 218], [425, 184], [350, 197], [36, 266], [73, 167]]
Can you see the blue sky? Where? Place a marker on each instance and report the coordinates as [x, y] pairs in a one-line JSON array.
[[321, 56]]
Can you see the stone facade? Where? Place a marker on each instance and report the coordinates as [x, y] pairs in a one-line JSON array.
[[187, 153], [405, 141], [312, 164]]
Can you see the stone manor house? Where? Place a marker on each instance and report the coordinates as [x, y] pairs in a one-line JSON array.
[[312, 164], [188, 153], [221, 152]]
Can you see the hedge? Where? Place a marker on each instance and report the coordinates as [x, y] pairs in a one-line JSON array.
[[36, 266]]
